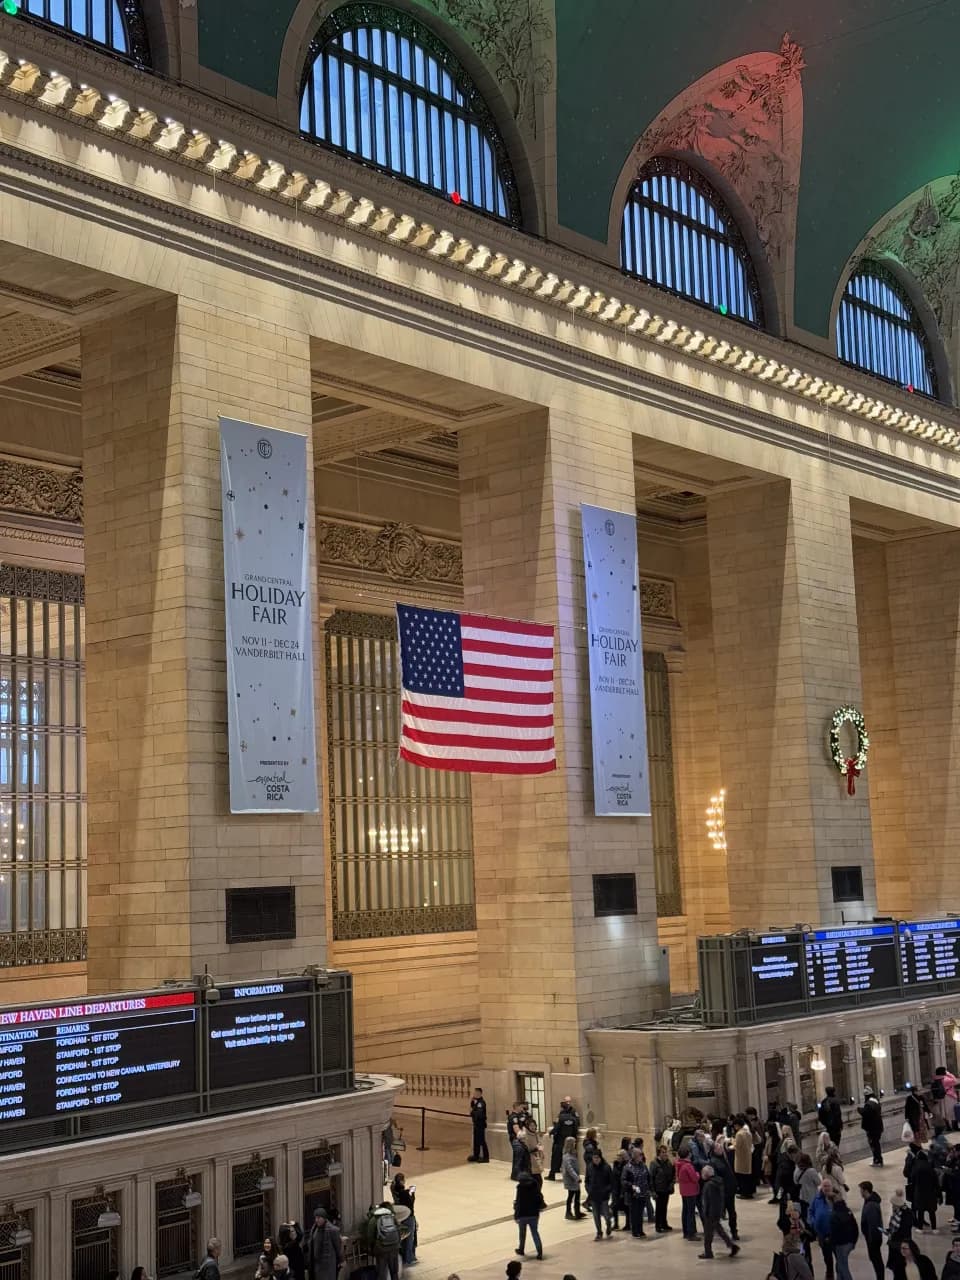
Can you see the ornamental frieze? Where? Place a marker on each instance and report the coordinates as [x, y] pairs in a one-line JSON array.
[[41, 491], [402, 553], [398, 551]]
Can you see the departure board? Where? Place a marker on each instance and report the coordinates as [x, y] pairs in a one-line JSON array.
[[858, 961], [776, 969], [929, 951], [68, 1059], [260, 1032]]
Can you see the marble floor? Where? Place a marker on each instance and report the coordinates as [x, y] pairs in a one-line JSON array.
[[466, 1227]]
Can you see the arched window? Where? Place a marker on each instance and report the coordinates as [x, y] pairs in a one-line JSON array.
[[380, 87], [678, 235], [878, 330], [114, 25]]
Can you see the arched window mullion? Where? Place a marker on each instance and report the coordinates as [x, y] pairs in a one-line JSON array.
[[115, 26], [676, 234], [879, 331], [448, 141]]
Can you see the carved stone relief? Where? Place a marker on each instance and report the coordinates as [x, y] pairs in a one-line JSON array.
[[508, 35], [397, 551], [41, 491], [923, 234], [744, 119], [404, 554]]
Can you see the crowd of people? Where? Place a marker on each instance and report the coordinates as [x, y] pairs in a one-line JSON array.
[[724, 1161]]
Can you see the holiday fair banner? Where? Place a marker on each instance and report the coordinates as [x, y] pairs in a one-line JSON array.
[[621, 782], [266, 573]]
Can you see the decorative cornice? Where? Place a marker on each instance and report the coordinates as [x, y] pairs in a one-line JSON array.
[[396, 551], [112, 116], [41, 491], [402, 553]]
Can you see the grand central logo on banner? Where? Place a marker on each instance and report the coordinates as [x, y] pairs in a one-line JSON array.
[[266, 574], [618, 717]]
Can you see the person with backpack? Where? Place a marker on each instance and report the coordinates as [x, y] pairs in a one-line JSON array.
[[527, 1206], [323, 1252], [871, 1227], [407, 1197], [210, 1266], [382, 1238], [844, 1234], [795, 1266]]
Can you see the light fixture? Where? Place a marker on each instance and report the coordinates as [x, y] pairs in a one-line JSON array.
[[109, 1217], [22, 1234], [716, 821], [266, 1181], [208, 986], [956, 1031], [878, 1050], [817, 1064], [193, 1199]]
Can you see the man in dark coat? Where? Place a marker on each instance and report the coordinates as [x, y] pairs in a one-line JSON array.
[[723, 1170], [871, 1227], [831, 1117], [323, 1254], [478, 1118], [712, 1203], [871, 1122], [566, 1125]]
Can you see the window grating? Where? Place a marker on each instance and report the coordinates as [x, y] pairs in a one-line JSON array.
[[663, 800], [178, 1228], [252, 1207], [16, 1260], [115, 25], [381, 88], [267, 913], [615, 895], [879, 331], [42, 768], [401, 836], [95, 1250], [677, 235]]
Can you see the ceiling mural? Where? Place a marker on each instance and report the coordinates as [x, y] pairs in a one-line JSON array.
[[923, 234], [745, 119]]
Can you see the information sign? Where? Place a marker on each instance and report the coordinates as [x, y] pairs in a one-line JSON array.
[[929, 951], [858, 961], [260, 1032], [66, 1059]]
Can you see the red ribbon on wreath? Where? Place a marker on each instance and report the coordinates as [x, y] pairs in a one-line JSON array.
[[852, 773]]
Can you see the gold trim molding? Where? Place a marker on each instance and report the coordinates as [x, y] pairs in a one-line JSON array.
[[34, 490]]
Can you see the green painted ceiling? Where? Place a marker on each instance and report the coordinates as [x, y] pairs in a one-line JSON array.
[[881, 99]]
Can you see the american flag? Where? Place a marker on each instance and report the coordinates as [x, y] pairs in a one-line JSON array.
[[477, 693]]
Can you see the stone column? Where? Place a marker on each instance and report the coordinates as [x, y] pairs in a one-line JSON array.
[[885, 766], [548, 968], [785, 638], [924, 584], [163, 845]]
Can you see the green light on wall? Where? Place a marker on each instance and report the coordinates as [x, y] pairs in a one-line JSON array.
[[11, 6], [722, 308]]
